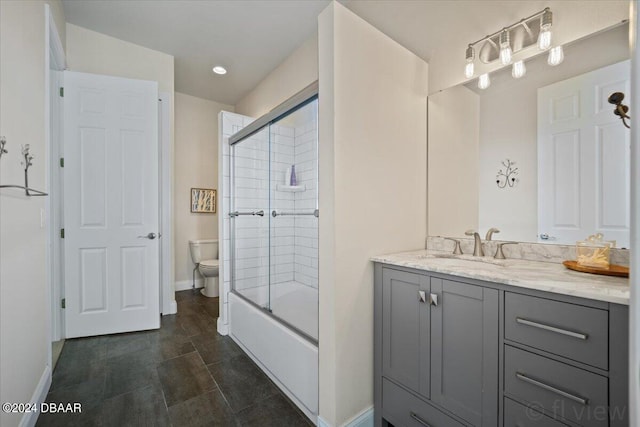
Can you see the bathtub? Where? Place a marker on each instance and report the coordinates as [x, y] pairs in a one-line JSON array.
[[287, 356]]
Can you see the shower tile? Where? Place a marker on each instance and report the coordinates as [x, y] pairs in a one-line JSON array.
[[184, 377]]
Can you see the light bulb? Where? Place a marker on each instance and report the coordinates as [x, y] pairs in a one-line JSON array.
[[469, 55], [556, 56], [468, 70], [505, 48], [518, 69], [505, 55], [544, 39], [483, 81]]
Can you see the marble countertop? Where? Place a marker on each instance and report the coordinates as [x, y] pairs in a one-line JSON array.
[[542, 276]]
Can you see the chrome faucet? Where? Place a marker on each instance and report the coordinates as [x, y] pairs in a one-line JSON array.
[[490, 233], [477, 247]]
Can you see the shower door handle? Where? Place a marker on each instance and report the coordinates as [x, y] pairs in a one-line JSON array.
[[253, 213]]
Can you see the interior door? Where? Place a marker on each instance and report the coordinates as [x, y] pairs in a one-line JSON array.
[[584, 158], [110, 204]]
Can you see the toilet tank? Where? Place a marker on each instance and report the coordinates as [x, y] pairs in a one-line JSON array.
[[203, 249]]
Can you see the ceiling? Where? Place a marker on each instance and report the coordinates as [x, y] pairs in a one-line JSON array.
[[248, 38], [251, 38]]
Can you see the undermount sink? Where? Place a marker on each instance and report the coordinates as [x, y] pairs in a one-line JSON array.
[[483, 260]]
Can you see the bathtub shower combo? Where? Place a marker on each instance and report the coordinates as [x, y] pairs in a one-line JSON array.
[[273, 245]]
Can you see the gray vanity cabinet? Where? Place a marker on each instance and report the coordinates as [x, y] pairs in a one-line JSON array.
[[406, 324], [438, 350], [464, 353]]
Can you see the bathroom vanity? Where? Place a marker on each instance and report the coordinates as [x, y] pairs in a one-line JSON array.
[[484, 342]]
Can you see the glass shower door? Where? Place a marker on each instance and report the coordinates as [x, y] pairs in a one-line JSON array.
[[294, 219], [250, 171]]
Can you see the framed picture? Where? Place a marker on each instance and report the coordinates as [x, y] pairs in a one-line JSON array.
[[203, 200]]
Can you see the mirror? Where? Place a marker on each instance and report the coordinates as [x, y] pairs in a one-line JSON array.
[[543, 158]]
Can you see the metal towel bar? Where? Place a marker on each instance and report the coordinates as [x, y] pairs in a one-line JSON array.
[[315, 213]]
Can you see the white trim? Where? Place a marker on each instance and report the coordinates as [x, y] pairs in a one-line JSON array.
[[39, 395], [634, 300], [223, 328], [54, 58], [363, 419], [185, 285], [167, 292]]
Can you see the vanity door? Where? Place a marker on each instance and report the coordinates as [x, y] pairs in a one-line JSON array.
[[406, 329], [464, 357]]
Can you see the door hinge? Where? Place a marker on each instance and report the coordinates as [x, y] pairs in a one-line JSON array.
[[62, 233], [62, 92], [61, 162], [63, 303]]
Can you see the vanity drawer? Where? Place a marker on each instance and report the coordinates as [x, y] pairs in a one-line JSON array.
[[518, 415], [561, 389], [569, 330], [403, 409]]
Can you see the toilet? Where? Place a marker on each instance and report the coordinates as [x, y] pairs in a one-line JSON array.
[[204, 253]]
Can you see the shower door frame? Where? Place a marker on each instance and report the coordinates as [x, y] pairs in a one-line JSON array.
[[297, 101]]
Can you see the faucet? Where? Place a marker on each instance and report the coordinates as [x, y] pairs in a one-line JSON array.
[[490, 233], [477, 248]]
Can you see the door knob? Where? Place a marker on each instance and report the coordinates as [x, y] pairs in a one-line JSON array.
[[149, 236]]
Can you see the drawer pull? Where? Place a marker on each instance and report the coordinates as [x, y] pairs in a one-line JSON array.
[[552, 328], [418, 419], [552, 389]]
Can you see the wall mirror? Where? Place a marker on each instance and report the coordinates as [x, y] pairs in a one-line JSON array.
[[542, 157]]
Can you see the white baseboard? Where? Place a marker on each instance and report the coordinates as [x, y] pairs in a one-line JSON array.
[[185, 285], [223, 329], [363, 419], [173, 308], [39, 396]]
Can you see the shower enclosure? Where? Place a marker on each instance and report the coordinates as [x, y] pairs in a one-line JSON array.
[[274, 217]]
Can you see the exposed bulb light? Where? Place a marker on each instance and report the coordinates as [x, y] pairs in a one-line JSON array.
[[483, 81], [469, 68], [544, 37], [219, 70], [556, 56], [518, 69], [505, 48]]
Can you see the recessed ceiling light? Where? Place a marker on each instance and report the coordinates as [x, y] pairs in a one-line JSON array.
[[219, 70]]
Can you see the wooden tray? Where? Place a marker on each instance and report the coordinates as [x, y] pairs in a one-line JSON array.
[[614, 270]]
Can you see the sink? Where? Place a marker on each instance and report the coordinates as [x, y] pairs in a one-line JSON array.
[[471, 258]]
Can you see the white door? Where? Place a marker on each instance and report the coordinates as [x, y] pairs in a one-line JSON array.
[[110, 204], [583, 158]]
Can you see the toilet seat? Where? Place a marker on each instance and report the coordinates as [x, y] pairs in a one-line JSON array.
[[209, 266]]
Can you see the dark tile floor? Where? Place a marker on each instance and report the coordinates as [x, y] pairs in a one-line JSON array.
[[183, 374]]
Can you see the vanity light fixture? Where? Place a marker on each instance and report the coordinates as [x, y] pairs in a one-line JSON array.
[[218, 69], [529, 31], [518, 70], [556, 56]]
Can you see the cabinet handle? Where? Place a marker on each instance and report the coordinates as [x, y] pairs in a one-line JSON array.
[[551, 328], [418, 419], [433, 299], [552, 389], [422, 296]]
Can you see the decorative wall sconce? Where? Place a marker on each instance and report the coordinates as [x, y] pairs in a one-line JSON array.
[[528, 31], [507, 177], [621, 110]]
